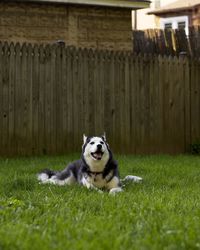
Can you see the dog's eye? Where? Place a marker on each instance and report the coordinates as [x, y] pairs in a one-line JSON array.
[[102, 142], [92, 143]]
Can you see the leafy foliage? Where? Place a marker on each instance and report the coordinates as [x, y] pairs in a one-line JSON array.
[[195, 147]]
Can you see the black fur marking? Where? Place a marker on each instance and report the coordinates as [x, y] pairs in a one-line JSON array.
[[49, 172]]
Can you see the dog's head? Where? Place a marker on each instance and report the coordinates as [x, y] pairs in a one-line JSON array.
[[95, 152]]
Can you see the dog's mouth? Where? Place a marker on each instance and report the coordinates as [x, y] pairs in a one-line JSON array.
[[97, 155]]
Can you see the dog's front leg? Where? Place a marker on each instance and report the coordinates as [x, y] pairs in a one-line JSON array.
[[89, 185], [114, 185]]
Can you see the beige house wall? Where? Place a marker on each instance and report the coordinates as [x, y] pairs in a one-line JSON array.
[[196, 17], [83, 26], [150, 21]]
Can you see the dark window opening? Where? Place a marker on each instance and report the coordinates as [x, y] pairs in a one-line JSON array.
[[168, 25], [181, 25]]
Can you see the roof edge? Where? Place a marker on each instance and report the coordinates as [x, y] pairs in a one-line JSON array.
[[165, 11], [109, 3]]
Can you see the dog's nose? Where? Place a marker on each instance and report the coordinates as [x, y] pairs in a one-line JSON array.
[[99, 146]]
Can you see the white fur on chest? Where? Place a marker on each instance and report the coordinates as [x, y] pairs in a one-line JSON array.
[[96, 166]]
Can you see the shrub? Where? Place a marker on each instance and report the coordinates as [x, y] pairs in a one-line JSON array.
[[195, 147]]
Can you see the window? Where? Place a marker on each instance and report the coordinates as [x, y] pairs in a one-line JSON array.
[[181, 25], [179, 22], [168, 26]]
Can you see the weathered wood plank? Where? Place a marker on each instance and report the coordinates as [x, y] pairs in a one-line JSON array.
[[167, 42], [64, 101], [98, 93], [133, 99], [48, 101], [41, 108], [187, 104], [35, 101], [18, 102], [112, 91], [58, 104], [24, 99], [160, 107], [127, 108], [1, 98], [29, 84], [52, 100], [195, 101], [11, 135], [5, 89], [70, 110], [76, 100]]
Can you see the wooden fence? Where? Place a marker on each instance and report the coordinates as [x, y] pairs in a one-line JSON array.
[[167, 42], [50, 96]]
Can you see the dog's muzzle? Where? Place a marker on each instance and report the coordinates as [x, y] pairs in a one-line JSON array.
[[97, 155]]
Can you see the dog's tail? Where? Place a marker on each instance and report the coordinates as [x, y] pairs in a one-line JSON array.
[[45, 175]]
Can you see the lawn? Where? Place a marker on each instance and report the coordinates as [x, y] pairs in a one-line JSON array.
[[163, 212]]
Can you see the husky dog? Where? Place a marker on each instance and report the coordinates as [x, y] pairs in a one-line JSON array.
[[96, 169]]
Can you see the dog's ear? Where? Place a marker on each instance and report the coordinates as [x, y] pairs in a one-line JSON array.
[[84, 139], [104, 136]]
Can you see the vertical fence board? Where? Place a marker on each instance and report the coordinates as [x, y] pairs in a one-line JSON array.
[[127, 110], [112, 91], [5, 82], [107, 94], [133, 80], [18, 102], [48, 100], [70, 110], [41, 110], [117, 103], [187, 104], [53, 86], [24, 98], [1, 99], [178, 106], [195, 101], [141, 104], [146, 105], [64, 105], [35, 101], [29, 85], [76, 100], [58, 104], [136, 107], [100, 94], [161, 104], [152, 105], [11, 132], [123, 126]]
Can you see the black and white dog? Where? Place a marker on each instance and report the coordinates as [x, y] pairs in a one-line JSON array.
[[96, 169]]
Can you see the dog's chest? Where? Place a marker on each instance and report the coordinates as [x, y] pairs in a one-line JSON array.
[[97, 180]]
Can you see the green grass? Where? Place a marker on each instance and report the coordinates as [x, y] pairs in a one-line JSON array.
[[163, 212]]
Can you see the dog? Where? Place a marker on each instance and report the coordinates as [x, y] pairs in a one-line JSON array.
[[96, 169]]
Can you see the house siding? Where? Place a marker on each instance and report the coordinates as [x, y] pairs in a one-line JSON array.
[[83, 26], [196, 16]]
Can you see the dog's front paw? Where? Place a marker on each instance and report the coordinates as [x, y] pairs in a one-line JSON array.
[[132, 178], [113, 191]]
